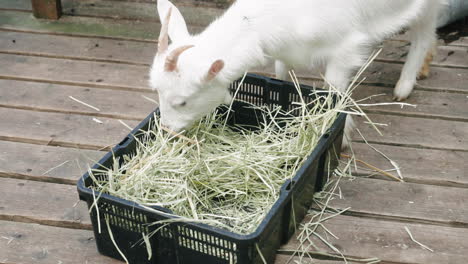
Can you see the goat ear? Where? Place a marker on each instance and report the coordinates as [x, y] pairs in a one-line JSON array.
[[215, 68], [177, 26]]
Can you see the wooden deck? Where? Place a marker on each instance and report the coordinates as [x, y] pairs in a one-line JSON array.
[[99, 53]]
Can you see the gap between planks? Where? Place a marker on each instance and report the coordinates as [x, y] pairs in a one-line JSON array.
[[93, 114], [79, 84], [377, 84], [37, 178], [46, 222], [83, 58], [405, 219], [442, 183], [432, 64], [415, 146], [76, 35], [416, 115], [57, 143]]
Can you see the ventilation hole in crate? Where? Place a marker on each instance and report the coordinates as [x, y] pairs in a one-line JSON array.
[[123, 218], [206, 244]]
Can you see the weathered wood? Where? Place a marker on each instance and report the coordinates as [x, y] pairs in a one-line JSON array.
[[438, 167], [43, 203], [453, 38], [416, 132], [193, 15], [195, 12], [33, 243], [440, 78], [388, 240], [387, 75], [404, 201], [84, 26], [463, 41], [287, 259], [434, 105], [120, 76], [95, 74], [45, 163], [92, 48], [445, 56], [55, 98], [61, 129], [48, 9]]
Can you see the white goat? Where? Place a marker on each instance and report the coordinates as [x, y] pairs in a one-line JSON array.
[[192, 75]]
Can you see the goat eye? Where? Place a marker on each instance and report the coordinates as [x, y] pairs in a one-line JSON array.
[[181, 104]]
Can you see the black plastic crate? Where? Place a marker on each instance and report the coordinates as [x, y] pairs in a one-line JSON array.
[[200, 243]]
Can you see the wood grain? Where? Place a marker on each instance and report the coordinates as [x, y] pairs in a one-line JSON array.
[[416, 132], [48, 97], [45, 163], [445, 56], [436, 167], [433, 105], [388, 241], [404, 201], [95, 74], [194, 12], [61, 129], [43, 203], [34, 243], [83, 48], [85, 26], [287, 259]]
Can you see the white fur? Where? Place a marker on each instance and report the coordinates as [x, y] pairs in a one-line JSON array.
[[296, 34]]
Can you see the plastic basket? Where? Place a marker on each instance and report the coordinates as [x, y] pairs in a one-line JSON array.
[[200, 243]]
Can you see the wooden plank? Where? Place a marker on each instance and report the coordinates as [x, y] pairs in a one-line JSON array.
[[194, 12], [43, 203], [135, 77], [452, 35], [193, 15], [86, 73], [92, 48], [439, 167], [388, 241], [429, 104], [287, 259], [415, 132], [404, 201], [45, 163], [463, 41], [50, 9], [55, 98], [130, 51], [445, 79], [34, 243], [445, 56], [84, 26], [61, 129], [20, 5], [387, 75]]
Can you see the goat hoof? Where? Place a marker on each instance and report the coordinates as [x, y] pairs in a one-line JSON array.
[[402, 90]]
